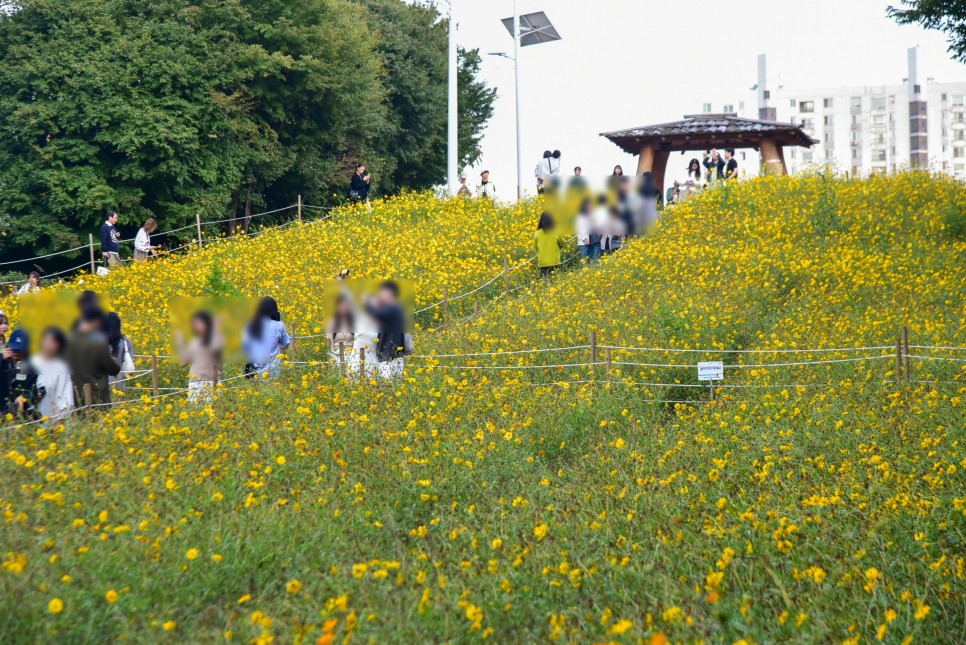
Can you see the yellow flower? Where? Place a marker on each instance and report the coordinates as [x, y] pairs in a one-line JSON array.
[[191, 554], [169, 625], [55, 606], [540, 530], [293, 586], [621, 626]]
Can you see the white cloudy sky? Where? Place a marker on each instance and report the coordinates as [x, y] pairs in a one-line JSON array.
[[624, 63]]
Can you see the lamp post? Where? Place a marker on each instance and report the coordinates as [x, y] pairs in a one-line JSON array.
[[530, 29], [452, 147], [516, 83]]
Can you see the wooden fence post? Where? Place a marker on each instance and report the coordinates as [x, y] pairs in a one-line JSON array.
[[154, 374], [905, 352], [506, 274], [898, 358], [607, 358], [593, 351], [362, 363], [91, 238], [342, 367], [300, 208], [198, 221], [88, 395], [476, 309], [445, 304]]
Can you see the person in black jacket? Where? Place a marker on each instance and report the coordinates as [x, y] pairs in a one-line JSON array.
[[19, 394], [110, 240], [390, 318], [359, 186]]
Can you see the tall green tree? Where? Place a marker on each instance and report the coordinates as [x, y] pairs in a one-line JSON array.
[[414, 43], [947, 16], [170, 108]]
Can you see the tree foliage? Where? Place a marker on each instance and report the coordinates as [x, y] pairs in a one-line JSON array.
[[175, 107], [947, 16]]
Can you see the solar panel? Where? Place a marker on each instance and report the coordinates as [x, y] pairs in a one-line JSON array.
[[535, 28]]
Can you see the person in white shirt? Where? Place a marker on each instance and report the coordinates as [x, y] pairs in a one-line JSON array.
[[142, 243], [588, 241], [486, 187], [53, 375], [32, 284]]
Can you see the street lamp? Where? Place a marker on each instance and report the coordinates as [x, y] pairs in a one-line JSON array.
[[452, 135], [529, 29]]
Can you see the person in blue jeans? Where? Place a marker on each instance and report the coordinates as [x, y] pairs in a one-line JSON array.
[[588, 240]]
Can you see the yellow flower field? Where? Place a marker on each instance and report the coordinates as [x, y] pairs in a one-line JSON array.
[[821, 501]]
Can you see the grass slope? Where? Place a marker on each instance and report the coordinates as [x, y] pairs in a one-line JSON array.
[[820, 503]]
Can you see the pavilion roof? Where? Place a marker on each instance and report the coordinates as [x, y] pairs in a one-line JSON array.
[[706, 131]]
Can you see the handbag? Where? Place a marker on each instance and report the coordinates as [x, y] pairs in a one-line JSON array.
[[127, 363], [408, 345]]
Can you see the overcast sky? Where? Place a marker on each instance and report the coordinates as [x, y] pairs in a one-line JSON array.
[[625, 63]]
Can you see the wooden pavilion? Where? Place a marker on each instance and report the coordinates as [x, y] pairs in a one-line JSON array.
[[702, 132]]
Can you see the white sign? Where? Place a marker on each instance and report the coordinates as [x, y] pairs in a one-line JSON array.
[[711, 371]]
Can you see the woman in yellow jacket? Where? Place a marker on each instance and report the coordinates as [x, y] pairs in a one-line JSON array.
[[548, 242]]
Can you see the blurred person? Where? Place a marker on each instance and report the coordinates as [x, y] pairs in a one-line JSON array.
[[202, 356], [616, 231], [673, 193], [618, 171], [548, 242], [32, 284], [694, 171], [87, 298], [19, 395], [464, 189], [387, 312], [122, 349], [340, 330], [89, 357], [715, 166], [650, 195], [110, 240], [588, 241], [731, 165], [543, 170], [264, 339], [486, 188], [4, 329], [142, 242], [53, 375], [359, 185], [578, 171]]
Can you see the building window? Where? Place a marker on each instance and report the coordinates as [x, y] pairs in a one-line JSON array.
[[959, 135], [879, 138], [879, 155], [856, 137], [959, 168], [767, 94], [856, 101], [855, 153], [729, 109], [794, 103], [806, 156], [806, 106], [829, 155], [878, 102], [829, 121], [959, 151], [878, 119], [959, 99], [706, 108], [828, 103], [828, 138]]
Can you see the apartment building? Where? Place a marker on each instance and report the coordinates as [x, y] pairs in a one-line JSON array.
[[866, 129]]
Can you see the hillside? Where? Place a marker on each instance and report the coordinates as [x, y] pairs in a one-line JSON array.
[[817, 501]]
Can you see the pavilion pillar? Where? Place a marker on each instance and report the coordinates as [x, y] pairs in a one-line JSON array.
[[646, 161], [659, 168], [781, 155], [771, 157]]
